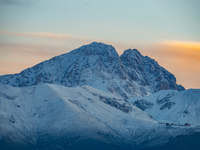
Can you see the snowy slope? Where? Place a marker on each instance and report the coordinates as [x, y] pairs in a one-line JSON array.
[[172, 106], [52, 116], [99, 65]]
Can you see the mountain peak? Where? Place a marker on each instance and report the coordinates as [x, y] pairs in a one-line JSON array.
[[132, 51], [99, 65], [98, 48], [147, 72]]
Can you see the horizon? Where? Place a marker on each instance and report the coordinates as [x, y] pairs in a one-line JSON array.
[[34, 31]]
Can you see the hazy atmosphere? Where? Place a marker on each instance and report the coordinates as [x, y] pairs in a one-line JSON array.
[[166, 30]]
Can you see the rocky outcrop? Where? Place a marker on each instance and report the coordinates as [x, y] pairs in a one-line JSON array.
[[143, 104], [119, 104], [164, 99], [167, 105]]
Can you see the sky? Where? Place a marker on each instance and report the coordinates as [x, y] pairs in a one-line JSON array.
[[168, 31]]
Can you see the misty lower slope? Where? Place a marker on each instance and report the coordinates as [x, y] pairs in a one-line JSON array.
[[53, 116]]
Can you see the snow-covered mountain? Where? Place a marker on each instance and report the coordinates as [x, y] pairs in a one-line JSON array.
[[172, 106], [99, 65], [92, 98], [50, 116]]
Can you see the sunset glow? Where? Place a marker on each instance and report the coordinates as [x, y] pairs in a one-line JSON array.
[[34, 31], [182, 58]]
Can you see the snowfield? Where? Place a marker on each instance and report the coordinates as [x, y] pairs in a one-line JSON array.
[[31, 115], [172, 106]]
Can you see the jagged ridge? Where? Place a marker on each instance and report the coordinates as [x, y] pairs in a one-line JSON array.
[[99, 65]]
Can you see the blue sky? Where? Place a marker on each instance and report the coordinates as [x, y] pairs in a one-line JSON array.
[[107, 19], [167, 30]]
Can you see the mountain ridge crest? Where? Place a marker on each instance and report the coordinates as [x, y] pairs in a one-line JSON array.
[[100, 66]]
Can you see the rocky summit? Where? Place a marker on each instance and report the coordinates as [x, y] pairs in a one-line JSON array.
[[99, 65]]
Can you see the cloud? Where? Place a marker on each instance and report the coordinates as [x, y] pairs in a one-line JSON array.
[[120, 47], [17, 57], [35, 51], [189, 50], [47, 35], [79, 40], [24, 49], [8, 67], [185, 54], [182, 58]]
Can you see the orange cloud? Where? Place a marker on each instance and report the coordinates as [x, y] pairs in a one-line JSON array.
[[24, 49], [189, 50], [8, 67], [180, 58], [184, 45], [17, 57]]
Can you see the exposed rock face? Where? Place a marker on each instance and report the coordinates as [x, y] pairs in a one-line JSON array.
[[164, 99], [143, 104], [167, 105], [99, 65], [147, 72], [119, 104]]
